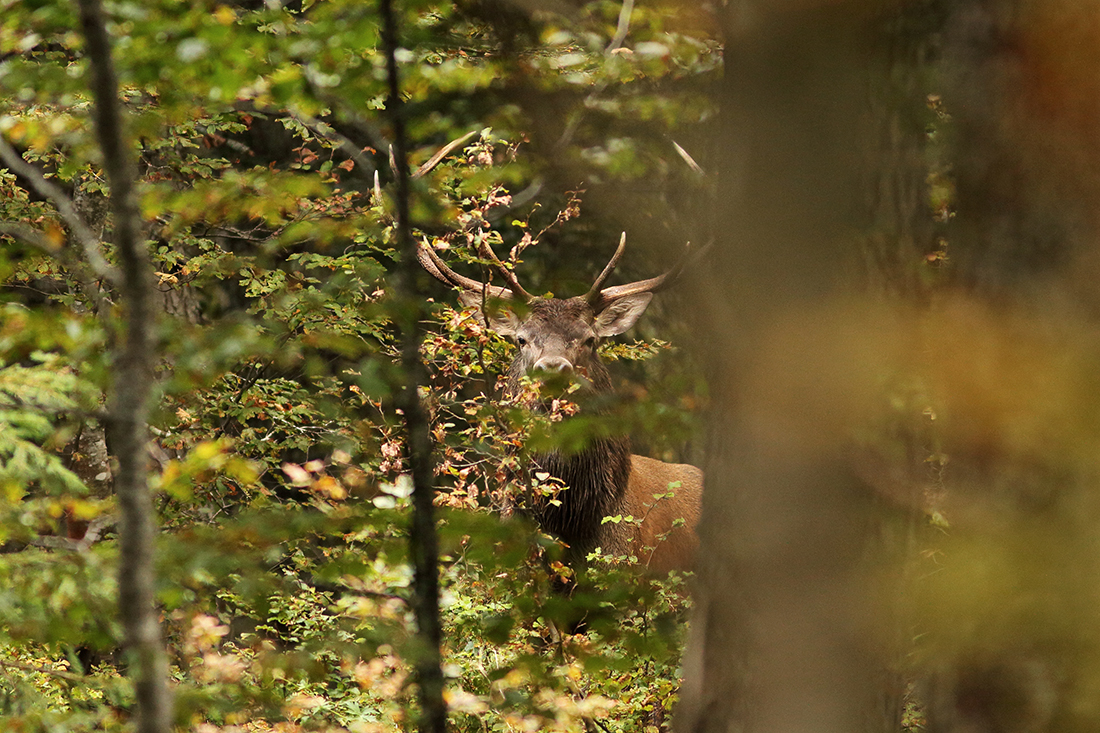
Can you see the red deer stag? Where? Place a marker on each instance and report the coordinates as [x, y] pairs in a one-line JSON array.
[[604, 479]]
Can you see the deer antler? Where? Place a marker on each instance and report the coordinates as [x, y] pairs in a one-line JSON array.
[[593, 294], [602, 298], [438, 269]]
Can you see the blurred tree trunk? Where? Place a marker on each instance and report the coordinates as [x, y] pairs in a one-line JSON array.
[[1022, 83], [130, 390], [904, 255], [780, 637], [903, 240]]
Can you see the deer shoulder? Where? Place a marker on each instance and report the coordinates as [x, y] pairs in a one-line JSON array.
[[665, 499]]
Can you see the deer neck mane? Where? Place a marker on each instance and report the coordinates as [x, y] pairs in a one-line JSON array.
[[597, 477]]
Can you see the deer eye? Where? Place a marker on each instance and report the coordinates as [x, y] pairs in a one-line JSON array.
[[590, 342], [521, 341]]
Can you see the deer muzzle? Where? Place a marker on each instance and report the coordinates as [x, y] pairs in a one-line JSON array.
[[554, 365]]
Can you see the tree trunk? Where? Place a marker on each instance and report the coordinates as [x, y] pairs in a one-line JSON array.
[[780, 637], [130, 391], [408, 307]]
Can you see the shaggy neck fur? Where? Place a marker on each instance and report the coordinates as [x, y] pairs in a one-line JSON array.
[[596, 478]]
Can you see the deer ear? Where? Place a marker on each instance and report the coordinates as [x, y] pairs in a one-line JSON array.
[[621, 314], [494, 313]]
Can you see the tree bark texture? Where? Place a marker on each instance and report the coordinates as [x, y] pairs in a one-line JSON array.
[[780, 638], [904, 251], [408, 299], [130, 390], [904, 238]]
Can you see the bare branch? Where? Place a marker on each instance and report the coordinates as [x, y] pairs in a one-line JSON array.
[[64, 205], [29, 236]]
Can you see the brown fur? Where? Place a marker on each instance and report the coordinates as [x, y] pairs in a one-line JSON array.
[[656, 550]]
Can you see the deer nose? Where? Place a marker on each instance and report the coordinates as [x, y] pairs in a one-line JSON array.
[[553, 364]]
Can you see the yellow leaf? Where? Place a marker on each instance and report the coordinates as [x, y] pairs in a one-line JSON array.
[[225, 15], [206, 451]]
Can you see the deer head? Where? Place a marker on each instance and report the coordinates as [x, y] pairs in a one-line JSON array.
[[553, 335]]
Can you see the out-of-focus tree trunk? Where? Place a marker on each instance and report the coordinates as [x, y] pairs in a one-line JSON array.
[[130, 390], [780, 638], [1011, 645], [904, 250], [902, 241]]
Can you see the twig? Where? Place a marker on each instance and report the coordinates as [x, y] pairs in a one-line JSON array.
[[67, 676], [64, 205]]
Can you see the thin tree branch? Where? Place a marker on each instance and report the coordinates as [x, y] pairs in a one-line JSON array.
[[67, 676], [131, 389], [89, 243]]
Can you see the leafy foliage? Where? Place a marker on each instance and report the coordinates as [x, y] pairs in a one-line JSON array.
[[278, 463]]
